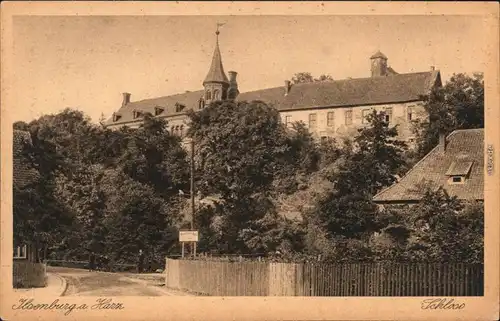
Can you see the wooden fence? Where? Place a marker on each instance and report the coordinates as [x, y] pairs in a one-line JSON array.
[[315, 279], [218, 278]]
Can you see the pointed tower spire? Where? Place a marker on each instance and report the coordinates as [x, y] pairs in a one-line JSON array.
[[216, 72]]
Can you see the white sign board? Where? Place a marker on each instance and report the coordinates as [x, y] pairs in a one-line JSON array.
[[188, 236]]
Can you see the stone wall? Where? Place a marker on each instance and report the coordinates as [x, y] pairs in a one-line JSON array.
[[28, 275]]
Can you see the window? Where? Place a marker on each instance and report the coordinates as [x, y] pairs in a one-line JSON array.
[[179, 107], [137, 114], [330, 119], [215, 95], [181, 131], [158, 110], [388, 115], [459, 171], [348, 117], [208, 95], [312, 121], [20, 252], [365, 114], [288, 121], [116, 117], [410, 113], [201, 103]]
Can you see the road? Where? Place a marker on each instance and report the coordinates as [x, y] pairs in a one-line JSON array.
[[84, 283]]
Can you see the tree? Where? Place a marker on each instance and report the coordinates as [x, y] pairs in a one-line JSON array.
[[370, 163], [244, 152], [152, 156], [306, 77], [459, 104], [323, 77], [75, 204], [376, 159], [302, 77], [136, 218], [446, 229]]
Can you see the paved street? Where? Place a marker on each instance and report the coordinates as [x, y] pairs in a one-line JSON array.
[[84, 283]]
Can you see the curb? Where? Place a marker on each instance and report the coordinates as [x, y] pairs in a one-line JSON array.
[[64, 284]]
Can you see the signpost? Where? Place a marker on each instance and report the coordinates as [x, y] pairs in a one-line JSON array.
[[188, 237]]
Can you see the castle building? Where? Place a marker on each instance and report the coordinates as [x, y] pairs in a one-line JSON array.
[[328, 108]]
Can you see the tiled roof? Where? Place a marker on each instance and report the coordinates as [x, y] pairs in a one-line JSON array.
[[23, 173], [394, 88], [216, 72], [463, 148], [348, 92], [167, 103]]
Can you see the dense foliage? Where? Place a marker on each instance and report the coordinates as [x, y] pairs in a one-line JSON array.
[[261, 188]]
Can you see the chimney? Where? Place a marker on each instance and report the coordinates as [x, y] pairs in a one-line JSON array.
[[433, 68], [232, 91], [442, 142], [126, 99], [232, 77], [288, 85]]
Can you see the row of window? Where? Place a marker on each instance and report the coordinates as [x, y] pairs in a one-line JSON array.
[[212, 95], [177, 130], [330, 117]]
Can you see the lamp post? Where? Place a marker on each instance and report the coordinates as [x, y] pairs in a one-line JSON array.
[[183, 240], [192, 194], [192, 184]]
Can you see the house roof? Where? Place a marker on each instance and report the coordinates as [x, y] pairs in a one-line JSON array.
[[394, 88], [463, 156], [23, 173]]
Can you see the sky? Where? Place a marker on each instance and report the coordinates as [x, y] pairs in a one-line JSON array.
[[86, 62]]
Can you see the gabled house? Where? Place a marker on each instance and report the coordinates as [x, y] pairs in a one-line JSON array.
[[456, 164], [23, 174]]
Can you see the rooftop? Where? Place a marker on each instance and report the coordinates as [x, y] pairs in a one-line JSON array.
[[23, 173], [394, 88], [463, 156]]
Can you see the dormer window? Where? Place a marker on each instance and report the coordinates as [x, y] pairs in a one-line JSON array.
[[179, 107], [137, 114], [116, 117], [459, 171], [159, 110]]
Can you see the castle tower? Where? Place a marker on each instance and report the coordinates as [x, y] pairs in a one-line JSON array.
[[216, 83]]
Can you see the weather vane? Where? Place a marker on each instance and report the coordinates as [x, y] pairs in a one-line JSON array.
[[218, 26]]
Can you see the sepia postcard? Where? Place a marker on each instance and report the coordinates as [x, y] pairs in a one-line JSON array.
[[250, 161]]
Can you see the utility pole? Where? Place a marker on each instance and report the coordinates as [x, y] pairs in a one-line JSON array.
[[192, 184], [192, 194]]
